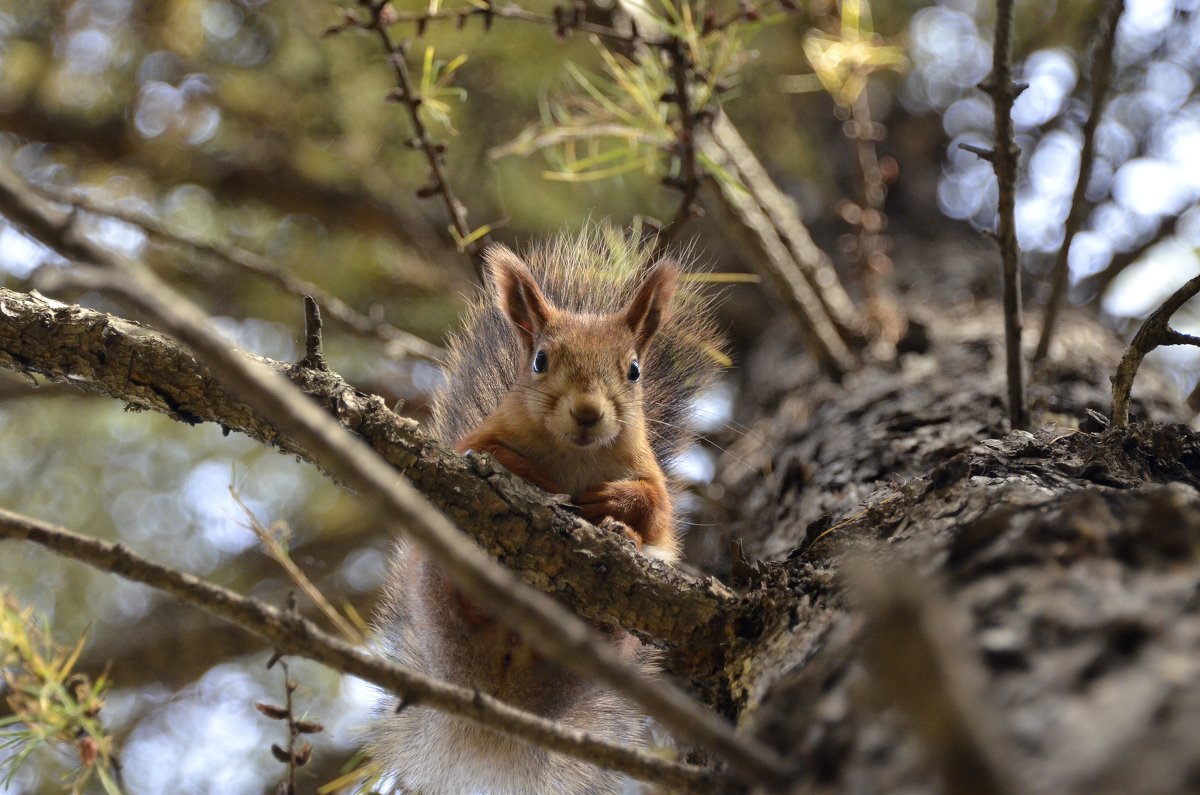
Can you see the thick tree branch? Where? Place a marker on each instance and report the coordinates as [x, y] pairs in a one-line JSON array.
[[1102, 57], [291, 633], [544, 542], [559, 634]]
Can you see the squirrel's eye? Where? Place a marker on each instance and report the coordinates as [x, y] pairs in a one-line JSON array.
[[635, 370], [540, 362]]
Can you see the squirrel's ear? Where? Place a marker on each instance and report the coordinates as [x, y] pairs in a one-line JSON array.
[[517, 293], [651, 303]]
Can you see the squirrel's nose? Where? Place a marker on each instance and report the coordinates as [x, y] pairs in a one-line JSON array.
[[587, 414]]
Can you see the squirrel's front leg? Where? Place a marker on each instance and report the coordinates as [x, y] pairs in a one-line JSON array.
[[511, 460], [642, 505]]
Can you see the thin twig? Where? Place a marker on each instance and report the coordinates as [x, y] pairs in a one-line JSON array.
[[555, 631], [291, 633], [382, 14], [278, 552], [20, 388], [563, 22], [982, 152], [1102, 58], [1005, 164], [1154, 332], [685, 138], [293, 757], [398, 344], [289, 688]]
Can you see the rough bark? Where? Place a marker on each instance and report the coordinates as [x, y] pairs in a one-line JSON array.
[[1061, 568]]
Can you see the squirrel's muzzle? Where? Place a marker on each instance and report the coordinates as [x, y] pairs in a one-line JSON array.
[[587, 415]]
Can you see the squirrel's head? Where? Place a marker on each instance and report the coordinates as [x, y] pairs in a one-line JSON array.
[[582, 373]]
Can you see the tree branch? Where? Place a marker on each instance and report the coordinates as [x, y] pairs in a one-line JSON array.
[[523, 528], [685, 136], [1004, 162], [382, 14], [290, 633], [1102, 57], [555, 631], [1153, 333], [398, 344], [265, 174], [766, 220]]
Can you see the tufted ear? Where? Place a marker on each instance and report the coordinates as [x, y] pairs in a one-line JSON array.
[[516, 292], [650, 306]]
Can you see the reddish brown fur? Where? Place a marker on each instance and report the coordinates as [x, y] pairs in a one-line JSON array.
[[607, 468], [580, 429]]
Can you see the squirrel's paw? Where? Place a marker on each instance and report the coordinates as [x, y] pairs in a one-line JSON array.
[[611, 501], [615, 525]]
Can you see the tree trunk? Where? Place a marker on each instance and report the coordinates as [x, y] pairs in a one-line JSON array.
[[958, 608]]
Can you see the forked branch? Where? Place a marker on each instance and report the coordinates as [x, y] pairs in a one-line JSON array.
[[1154, 332]]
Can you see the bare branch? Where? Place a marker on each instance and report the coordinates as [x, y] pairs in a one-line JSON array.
[[291, 633], [555, 631], [398, 344], [1153, 333], [1005, 164], [381, 16], [685, 141], [1102, 57], [766, 219]]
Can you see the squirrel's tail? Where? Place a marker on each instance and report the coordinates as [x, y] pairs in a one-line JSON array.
[[597, 272]]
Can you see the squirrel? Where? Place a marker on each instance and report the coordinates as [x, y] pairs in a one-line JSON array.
[[574, 370]]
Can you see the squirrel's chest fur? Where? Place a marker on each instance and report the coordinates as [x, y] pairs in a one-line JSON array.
[[577, 470]]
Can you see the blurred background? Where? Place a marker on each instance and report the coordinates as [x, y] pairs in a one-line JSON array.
[[242, 123]]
